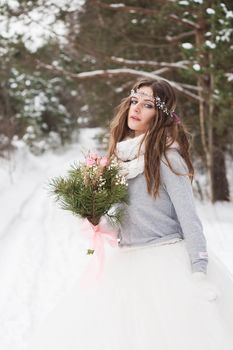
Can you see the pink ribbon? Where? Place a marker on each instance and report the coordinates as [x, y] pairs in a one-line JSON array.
[[99, 235]]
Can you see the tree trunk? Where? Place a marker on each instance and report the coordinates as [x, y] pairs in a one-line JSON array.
[[219, 178], [203, 83], [214, 156], [210, 125], [220, 183]]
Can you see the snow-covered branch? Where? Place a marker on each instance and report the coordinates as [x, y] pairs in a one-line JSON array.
[[108, 73], [180, 64]]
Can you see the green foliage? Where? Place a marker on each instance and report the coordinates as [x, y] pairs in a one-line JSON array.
[[91, 191]]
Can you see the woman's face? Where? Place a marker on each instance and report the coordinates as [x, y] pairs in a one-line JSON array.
[[142, 110]]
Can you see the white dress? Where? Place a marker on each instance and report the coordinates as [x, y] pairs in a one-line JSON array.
[[145, 299]]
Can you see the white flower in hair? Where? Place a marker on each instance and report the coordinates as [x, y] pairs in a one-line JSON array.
[[158, 102]]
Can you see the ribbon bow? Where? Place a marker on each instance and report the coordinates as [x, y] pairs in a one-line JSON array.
[[99, 235]]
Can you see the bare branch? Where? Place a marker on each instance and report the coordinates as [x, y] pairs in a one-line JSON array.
[[133, 9], [124, 8], [161, 71], [154, 46], [185, 21], [109, 73], [180, 36], [191, 87]]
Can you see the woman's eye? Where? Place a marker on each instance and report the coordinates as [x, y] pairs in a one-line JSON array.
[[149, 106]]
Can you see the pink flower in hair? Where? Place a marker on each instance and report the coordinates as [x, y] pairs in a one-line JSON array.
[[176, 118]]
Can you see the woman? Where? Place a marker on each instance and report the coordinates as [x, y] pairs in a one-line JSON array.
[[160, 289]]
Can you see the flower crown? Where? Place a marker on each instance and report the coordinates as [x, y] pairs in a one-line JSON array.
[[158, 102]]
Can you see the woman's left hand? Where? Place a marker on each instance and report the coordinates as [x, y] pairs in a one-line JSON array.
[[203, 287]]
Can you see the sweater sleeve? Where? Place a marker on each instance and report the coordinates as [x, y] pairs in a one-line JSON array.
[[179, 189]]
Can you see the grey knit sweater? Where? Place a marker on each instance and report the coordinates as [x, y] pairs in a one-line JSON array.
[[148, 220]]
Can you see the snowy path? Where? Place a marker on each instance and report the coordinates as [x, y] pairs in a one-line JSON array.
[[41, 251], [218, 227]]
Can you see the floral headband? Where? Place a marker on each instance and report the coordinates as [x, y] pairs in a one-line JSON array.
[[160, 104]]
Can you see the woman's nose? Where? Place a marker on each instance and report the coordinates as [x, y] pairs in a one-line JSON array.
[[137, 107]]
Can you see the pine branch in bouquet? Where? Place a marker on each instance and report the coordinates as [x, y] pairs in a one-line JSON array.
[[92, 189], [115, 215]]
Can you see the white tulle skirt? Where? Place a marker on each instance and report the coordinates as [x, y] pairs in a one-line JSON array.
[[145, 299]]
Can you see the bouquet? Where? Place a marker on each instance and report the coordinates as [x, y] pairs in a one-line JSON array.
[[92, 190]]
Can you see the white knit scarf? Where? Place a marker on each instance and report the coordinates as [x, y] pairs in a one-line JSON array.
[[132, 164]]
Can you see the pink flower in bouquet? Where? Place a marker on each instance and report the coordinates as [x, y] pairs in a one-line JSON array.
[[104, 161], [90, 161]]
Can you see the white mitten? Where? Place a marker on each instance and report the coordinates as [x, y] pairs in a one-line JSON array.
[[203, 287]]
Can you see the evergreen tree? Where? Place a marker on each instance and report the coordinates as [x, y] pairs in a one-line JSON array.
[[80, 73]]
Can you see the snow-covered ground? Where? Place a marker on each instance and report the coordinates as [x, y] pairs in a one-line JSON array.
[[40, 246]]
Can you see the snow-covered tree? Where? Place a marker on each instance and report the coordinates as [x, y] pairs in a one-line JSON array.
[[91, 53]]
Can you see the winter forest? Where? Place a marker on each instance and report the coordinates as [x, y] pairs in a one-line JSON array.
[[65, 66]]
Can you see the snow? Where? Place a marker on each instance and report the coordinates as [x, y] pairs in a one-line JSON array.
[[196, 66], [210, 44], [41, 247], [187, 46], [228, 13], [210, 11], [40, 244], [229, 76], [225, 34], [184, 2], [35, 31], [39, 25], [117, 5]]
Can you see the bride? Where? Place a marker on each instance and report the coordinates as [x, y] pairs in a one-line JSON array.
[[161, 287]]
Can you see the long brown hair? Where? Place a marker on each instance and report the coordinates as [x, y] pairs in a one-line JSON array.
[[156, 137]]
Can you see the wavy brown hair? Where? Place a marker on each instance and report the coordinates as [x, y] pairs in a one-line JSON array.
[[156, 137]]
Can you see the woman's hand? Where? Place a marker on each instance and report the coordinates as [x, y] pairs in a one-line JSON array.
[[204, 288]]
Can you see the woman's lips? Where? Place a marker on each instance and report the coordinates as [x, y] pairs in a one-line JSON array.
[[134, 118]]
